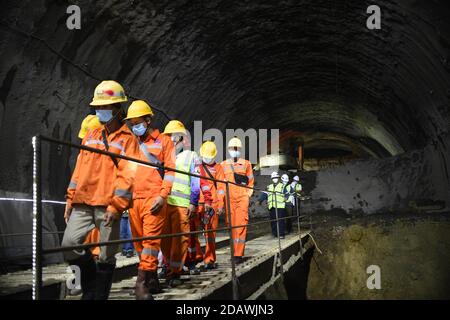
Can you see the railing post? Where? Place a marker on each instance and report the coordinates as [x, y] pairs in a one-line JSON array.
[[37, 220], [278, 232], [230, 230], [297, 206]]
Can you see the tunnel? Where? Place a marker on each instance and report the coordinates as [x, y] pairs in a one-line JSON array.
[[369, 108]]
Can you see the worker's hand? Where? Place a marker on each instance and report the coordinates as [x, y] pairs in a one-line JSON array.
[[191, 211], [157, 205], [109, 217], [221, 211], [207, 207], [67, 213]]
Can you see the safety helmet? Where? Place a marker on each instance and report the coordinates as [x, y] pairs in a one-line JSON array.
[[208, 150], [108, 92], [296, 178], [285, 178], [274, 175], [175, 126], [235, 143], [138, 108], [89, 123]]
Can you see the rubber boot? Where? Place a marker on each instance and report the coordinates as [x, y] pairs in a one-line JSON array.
[[88, 272], [103, 281], [153, 282], [142, 291]]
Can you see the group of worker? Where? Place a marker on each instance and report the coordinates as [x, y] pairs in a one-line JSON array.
[[159, 200], [282, 197]]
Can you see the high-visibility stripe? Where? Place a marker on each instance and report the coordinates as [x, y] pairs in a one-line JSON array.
[[123, 193], [179, 194], [239, 241], [220, 192], [154, 146], [191, 250], [205, 188], [175, 264], [117, 146], [72, 185], [182, 181], [93, 141], [150, 252], [151, 158], [169, 177], [250, 177]]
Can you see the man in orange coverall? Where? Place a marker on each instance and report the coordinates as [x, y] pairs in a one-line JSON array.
[[99, 191], [151, 188], [240, 171]]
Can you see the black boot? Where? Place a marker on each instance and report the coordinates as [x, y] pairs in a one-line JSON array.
[[153, 282], [103, 281], [142, 291], [88, 271]]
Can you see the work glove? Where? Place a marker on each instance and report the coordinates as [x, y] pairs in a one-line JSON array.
[[157, 205], [191, 211], [109, 218]]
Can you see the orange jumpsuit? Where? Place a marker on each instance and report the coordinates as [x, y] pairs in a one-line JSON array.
[[213, 194], [239, 200], [93, 237], [148, 186]]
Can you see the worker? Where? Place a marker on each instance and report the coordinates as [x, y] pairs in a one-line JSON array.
[[99, 191], [239, 171], [275, 203], [287, 191], [125, 233], [151, 188], [213, 199], [91, 122], [181, 203]]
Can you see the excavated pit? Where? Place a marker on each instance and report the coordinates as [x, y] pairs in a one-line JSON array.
[[372, 104]]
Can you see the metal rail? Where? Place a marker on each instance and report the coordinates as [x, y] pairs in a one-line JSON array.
[[38, 251]]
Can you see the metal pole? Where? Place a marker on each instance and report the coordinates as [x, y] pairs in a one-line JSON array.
[[233, 265], [278, 232], [297, 205], [37, 220]]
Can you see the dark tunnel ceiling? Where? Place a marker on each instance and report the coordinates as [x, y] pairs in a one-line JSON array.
[[312, 66]]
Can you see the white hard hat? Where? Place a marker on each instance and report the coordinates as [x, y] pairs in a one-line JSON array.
[[274, 175], [296, 178], [285, 178]]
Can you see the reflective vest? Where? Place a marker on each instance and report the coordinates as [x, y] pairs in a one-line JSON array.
[[277, 198], [180, 195]]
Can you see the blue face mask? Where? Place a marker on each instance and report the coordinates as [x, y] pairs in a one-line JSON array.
[[139, 129], [104, 115]]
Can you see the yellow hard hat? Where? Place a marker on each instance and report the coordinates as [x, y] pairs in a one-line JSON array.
[[108, 92], [235, 142], [138, 108], [208, 150], [175, 126], [89, 123]]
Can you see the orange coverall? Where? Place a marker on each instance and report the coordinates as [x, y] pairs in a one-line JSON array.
[[148, 186], [239, 200]]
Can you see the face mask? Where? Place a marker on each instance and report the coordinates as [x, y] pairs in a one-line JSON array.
[[275, 180], [234, 153], [208, 160], [104, 115], [139, 129]]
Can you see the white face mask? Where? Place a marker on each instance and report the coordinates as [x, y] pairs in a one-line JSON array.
[[208, 160], [234, 153], [275, 180]]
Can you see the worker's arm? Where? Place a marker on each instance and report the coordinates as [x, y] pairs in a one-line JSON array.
[[72, 187], [251, 178], [169, 162], [221, 188], [195, 184], [123, 182]]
